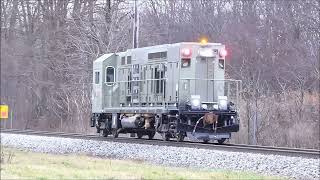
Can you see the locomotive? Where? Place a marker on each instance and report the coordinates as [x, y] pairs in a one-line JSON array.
[[177, 90]]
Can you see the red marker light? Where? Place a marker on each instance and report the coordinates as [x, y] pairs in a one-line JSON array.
[[186, 52], [223, 53]]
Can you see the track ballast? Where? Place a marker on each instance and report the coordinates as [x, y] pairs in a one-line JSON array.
[[311, 153]]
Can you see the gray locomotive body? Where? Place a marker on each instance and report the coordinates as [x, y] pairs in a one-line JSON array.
[[177, 90]]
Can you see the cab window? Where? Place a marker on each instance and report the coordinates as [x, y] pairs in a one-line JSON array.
[[110, 77], [128, 59], [185, 62], [123, 60], [96, 77], [221, 63]]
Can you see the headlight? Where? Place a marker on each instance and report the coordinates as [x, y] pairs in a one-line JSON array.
[[206, 52], [223, 102], [216, 106], [204, 106], [195, 101]]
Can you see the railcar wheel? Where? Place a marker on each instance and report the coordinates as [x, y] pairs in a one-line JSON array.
[[115, 133], [105, 133], [151, 134], [139, 135], [165, 136], [180, 137], [98, 129], [205, 141], [221, 141]]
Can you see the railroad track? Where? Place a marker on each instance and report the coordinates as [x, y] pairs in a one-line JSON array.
[[297, 152]]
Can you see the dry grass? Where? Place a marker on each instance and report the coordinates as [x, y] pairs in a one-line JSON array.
[[48, 166], [283, 120]]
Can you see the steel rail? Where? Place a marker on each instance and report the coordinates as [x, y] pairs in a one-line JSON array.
[[285, 151]]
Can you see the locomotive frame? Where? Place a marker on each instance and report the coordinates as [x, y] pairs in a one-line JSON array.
[[167, 89]]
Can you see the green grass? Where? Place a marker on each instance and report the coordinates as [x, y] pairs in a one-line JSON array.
[[17, 164]]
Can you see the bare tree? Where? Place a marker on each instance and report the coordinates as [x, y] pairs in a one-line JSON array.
[[47, 49]]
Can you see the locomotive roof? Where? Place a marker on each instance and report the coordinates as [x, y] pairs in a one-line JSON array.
[[105, 56], [172, 45]]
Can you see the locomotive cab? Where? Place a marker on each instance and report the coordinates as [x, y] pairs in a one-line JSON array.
[[202, 75], [207, 101]]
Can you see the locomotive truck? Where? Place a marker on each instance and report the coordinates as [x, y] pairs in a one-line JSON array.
[[177, 90]]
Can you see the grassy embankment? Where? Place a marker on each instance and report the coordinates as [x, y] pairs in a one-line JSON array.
[[20, 164]]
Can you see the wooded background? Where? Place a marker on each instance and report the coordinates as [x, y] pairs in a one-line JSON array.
[[48, 46]]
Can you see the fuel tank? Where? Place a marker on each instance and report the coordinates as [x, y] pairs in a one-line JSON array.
[[134, 121]]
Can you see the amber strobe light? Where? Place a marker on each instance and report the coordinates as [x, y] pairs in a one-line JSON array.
[[203, 41]]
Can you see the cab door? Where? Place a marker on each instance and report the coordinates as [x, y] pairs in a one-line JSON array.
[[110, 85], [97, 91], [205, 76], [210, 77]]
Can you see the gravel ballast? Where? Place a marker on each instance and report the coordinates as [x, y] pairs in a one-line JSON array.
[[292, 167]]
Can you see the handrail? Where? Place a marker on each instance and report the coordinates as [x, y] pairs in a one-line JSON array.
[[144, 93], [140, 80], [179, 79], [210, 79]]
